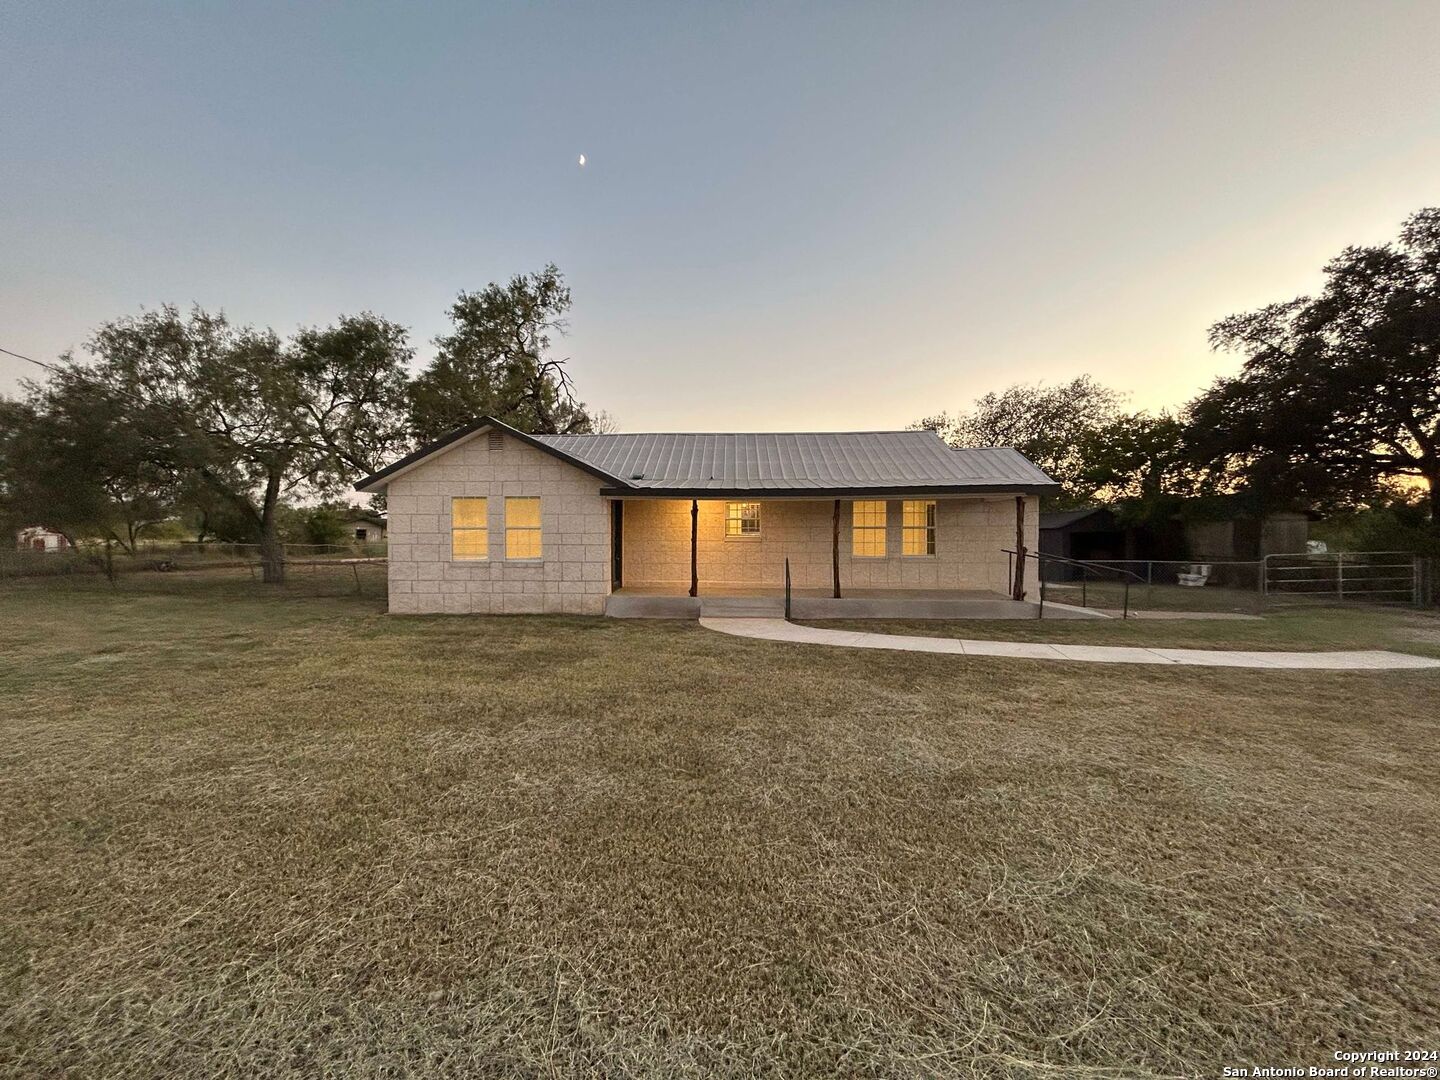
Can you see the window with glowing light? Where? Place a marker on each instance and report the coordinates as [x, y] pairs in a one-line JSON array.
[[918, 527], [522, 527], [868, 529], [742, 519], [469, 529]]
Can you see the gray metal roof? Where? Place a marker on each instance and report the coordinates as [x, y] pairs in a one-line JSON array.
[[797, 461]]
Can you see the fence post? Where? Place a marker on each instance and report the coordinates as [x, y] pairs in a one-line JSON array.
[[1340, 575], [1415, 581]]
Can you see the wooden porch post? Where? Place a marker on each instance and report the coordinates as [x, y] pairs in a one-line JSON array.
[[1019, 591], [694, 561], [835, 549]]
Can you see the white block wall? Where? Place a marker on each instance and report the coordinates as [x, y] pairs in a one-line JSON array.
[[573, 574], [971, 534]]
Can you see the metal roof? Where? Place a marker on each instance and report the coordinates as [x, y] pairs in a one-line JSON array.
[[788, 463], [797, 461]]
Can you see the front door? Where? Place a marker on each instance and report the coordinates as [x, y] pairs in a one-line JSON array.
[[617, 542]]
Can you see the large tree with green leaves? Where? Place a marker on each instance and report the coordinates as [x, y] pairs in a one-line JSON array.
[[75, 457], [1050, 425], [1339, 392], [254, 419], [497, 361]]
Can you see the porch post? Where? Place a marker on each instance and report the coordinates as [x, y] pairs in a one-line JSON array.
[[1018, 593], [694, 562], [835, 549]]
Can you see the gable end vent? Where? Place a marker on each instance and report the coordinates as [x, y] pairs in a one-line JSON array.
[[497, 441]]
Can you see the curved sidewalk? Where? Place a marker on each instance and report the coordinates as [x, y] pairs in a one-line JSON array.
[[780, 630]]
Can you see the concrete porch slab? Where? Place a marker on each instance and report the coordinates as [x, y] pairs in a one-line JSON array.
[[672, 602]]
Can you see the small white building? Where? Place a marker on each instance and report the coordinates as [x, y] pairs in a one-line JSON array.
[[493, 520], [363, 527], [39, 538]]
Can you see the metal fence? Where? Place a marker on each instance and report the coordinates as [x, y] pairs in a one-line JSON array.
[[1374, 577], [1242, 586]]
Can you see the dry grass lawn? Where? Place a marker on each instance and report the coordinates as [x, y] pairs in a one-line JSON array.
[[251, 833]]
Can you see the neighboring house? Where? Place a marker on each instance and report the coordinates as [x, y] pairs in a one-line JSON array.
[[39, 538], [364, 527], [489, 519]]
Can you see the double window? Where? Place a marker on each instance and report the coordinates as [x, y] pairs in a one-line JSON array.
[[918, 527], [868, 529], [742, 519], [470, 528]]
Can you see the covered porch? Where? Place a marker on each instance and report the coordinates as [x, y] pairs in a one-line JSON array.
[[911, 554]]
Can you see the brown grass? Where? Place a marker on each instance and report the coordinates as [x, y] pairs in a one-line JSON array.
[[267, 834]]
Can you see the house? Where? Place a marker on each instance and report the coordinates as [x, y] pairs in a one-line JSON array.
[[39, 538], [492, 520], [362, 526]]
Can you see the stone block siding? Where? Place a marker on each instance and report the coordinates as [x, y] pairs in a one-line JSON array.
[[573, 574], [970, 535]]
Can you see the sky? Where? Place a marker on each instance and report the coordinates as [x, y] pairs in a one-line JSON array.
[[791, 216]]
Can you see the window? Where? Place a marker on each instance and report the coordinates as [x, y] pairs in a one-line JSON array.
[[469, 529], [522, 527], [742, 519], [359, 534], [869, 529], [918, 527]]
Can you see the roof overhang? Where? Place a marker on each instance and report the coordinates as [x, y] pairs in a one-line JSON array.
[[758, 494], [378, 480]]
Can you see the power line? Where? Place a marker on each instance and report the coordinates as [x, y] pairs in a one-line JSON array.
[[30, 360]]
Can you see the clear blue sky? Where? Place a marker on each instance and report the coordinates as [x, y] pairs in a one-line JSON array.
[[792, 216]]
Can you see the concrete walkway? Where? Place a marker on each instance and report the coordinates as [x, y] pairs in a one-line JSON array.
[[780, 630]]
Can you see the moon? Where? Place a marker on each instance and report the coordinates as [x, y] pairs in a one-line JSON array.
[[582, 161]]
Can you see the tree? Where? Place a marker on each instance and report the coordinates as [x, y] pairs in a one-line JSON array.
[[497, 362], [77, 460], [1135, 457], [1048, 424], [1339, 392], [255, 419]]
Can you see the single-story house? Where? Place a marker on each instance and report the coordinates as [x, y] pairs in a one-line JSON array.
[[489, 519], [39, 538], [363, 527]]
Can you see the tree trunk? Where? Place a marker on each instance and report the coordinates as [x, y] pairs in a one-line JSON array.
[[272, 551]]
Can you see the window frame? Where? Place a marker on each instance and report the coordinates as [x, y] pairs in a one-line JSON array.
[[739, 519], [869, 528], [484, 529], [926, 529], [538, 529]]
